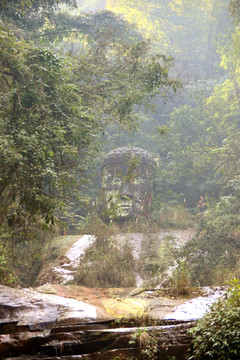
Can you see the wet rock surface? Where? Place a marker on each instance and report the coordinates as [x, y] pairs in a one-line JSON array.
[[45, 326], [27, 317], [94, 341], [33, 309]]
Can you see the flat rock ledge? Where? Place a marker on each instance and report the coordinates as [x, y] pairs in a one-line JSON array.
[[96, 341], [43, 326]]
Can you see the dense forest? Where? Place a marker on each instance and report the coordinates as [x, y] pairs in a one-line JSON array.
[[81, 78]]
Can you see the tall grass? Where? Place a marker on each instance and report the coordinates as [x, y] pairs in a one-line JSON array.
[[107, 264]]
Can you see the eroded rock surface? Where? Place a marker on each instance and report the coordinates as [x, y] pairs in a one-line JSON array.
[[98, 341], [45, 326], [27, 317], [34, 309]]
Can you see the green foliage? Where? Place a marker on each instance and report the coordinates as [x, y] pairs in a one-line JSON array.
[[147, 342], [187, 151], [111, 70], [107, 263], [162, 263], [216, 336], [213, 254], [136, 321], [114, 207], [93, 28], [27, 256], [187, 158], [7, 276], [234, 8], [170, 215], [133, 163], [149, 260], [116, 79], [45, 135], [31, 15], [180, 282]]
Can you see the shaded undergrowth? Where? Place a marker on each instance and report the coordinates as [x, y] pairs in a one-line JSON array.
[[107, 263]]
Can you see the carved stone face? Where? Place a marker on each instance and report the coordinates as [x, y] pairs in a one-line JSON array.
[[127, 183]]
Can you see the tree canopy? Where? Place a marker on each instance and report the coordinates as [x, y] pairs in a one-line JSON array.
[[45, 133], [64, 77]]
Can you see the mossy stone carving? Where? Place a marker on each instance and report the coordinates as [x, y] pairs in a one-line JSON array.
[[127, 183]]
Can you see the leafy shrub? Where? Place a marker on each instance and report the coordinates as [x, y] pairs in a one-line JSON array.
[[147, 342], [213, 255], [7, 276], [217, 335]]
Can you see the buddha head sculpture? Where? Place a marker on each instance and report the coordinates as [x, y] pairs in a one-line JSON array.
[[127, 183]]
